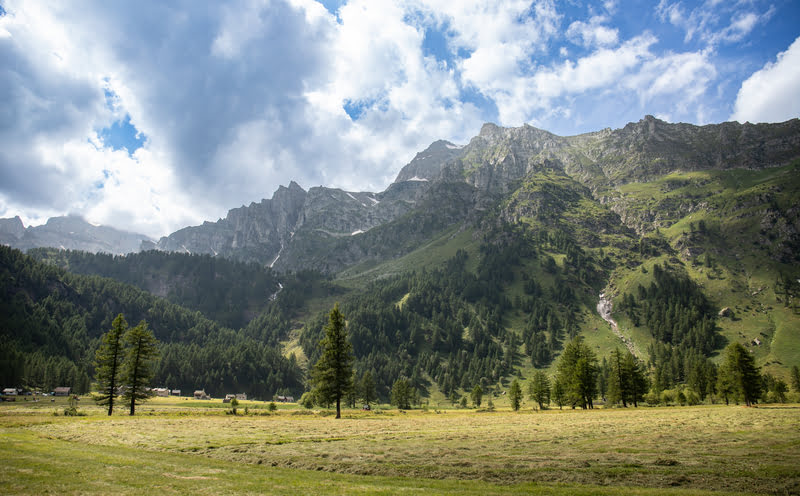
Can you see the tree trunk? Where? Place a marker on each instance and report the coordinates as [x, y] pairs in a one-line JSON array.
[[338, 409]]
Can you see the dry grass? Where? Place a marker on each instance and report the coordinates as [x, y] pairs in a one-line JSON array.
[[753, 450]]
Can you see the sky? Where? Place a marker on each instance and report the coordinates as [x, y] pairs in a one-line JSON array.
[[150, 116]]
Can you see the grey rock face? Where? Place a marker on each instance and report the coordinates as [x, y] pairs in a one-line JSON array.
[[11, 230], [70, 233], [427, 164], [298, 229]]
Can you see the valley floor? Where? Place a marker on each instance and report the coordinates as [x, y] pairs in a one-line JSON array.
[[179, 448]]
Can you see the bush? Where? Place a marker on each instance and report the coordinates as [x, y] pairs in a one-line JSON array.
[[272, 406], [307, 400], [691, 397]]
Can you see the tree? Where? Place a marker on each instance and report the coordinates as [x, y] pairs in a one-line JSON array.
[[137, 372], [402, 393], [577, 370], [795, 378], [332, 375], [476, 396], [539, 389], [108, 362], [725, 384], [367, 389], [637, 379], [515, 395], [559, 393], [618, 380], [740, 369]]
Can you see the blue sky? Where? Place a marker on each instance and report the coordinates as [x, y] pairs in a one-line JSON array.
[[151, 116]]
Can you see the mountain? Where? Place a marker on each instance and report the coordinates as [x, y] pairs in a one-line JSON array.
[[69, 233], [479, 262]]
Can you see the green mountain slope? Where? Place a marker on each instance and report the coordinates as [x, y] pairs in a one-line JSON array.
[[51, 322], [686, 237]]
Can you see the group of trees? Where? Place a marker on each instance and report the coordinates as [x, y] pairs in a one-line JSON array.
[[124, 362], [51, 323]]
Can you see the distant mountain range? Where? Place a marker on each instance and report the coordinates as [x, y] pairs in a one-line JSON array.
[[69, 233], [479, 261], [309, 229]]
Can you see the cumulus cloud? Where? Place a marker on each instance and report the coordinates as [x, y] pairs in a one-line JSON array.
[[771, 93], [238, 99], [713, 22], [593, 33]]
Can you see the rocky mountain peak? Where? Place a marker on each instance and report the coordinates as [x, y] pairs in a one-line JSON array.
[[427, 164]]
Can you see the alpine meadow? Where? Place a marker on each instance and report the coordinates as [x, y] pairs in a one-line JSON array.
[[518, 312]]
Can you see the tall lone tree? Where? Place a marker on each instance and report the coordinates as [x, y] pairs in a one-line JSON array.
[[539, 389], [739, 369], [332, 375], [577, 370], [142, 349], [515, 395], [108, 363]]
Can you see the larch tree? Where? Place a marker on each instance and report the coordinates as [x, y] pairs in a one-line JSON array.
[[795, 375], [108, 363], [477, 395], [138, 370], [740, 369], [367, 388], [515, 395], [539, 389], [332, 375], [577, 370]]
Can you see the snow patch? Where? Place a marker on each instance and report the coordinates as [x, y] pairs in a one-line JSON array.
[[356, 232], [453, 147], [351, 196], [187, 249], [417, 178], [374, 201]]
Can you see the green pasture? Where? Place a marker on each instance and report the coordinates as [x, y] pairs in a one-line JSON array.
[[187, 446]]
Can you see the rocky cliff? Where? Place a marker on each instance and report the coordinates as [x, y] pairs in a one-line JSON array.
[[69, 233]]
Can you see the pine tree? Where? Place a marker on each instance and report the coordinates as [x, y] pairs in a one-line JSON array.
[[138, 368], [795, 378], [401, 394], [332, 374], [367, 388], [108, 363], [477, 395], [559, 394], [637, 379], [515, 395], [740, 370], [618, 380], [539, 389], [577, 372]]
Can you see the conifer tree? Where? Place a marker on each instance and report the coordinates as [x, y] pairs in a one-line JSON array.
[[138, 368], [740, 369], [332, 375], [108, 363], [367, 389], [539, 389], [477, 395], [515, 395], [617, 379], [795, 374], [577, 372]]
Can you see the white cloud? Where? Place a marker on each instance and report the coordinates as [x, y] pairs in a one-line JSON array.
[[771, 93], [593, 33], [713, 22], [237, 100]]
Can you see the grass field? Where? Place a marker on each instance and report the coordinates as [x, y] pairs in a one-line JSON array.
[[194, 447]]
